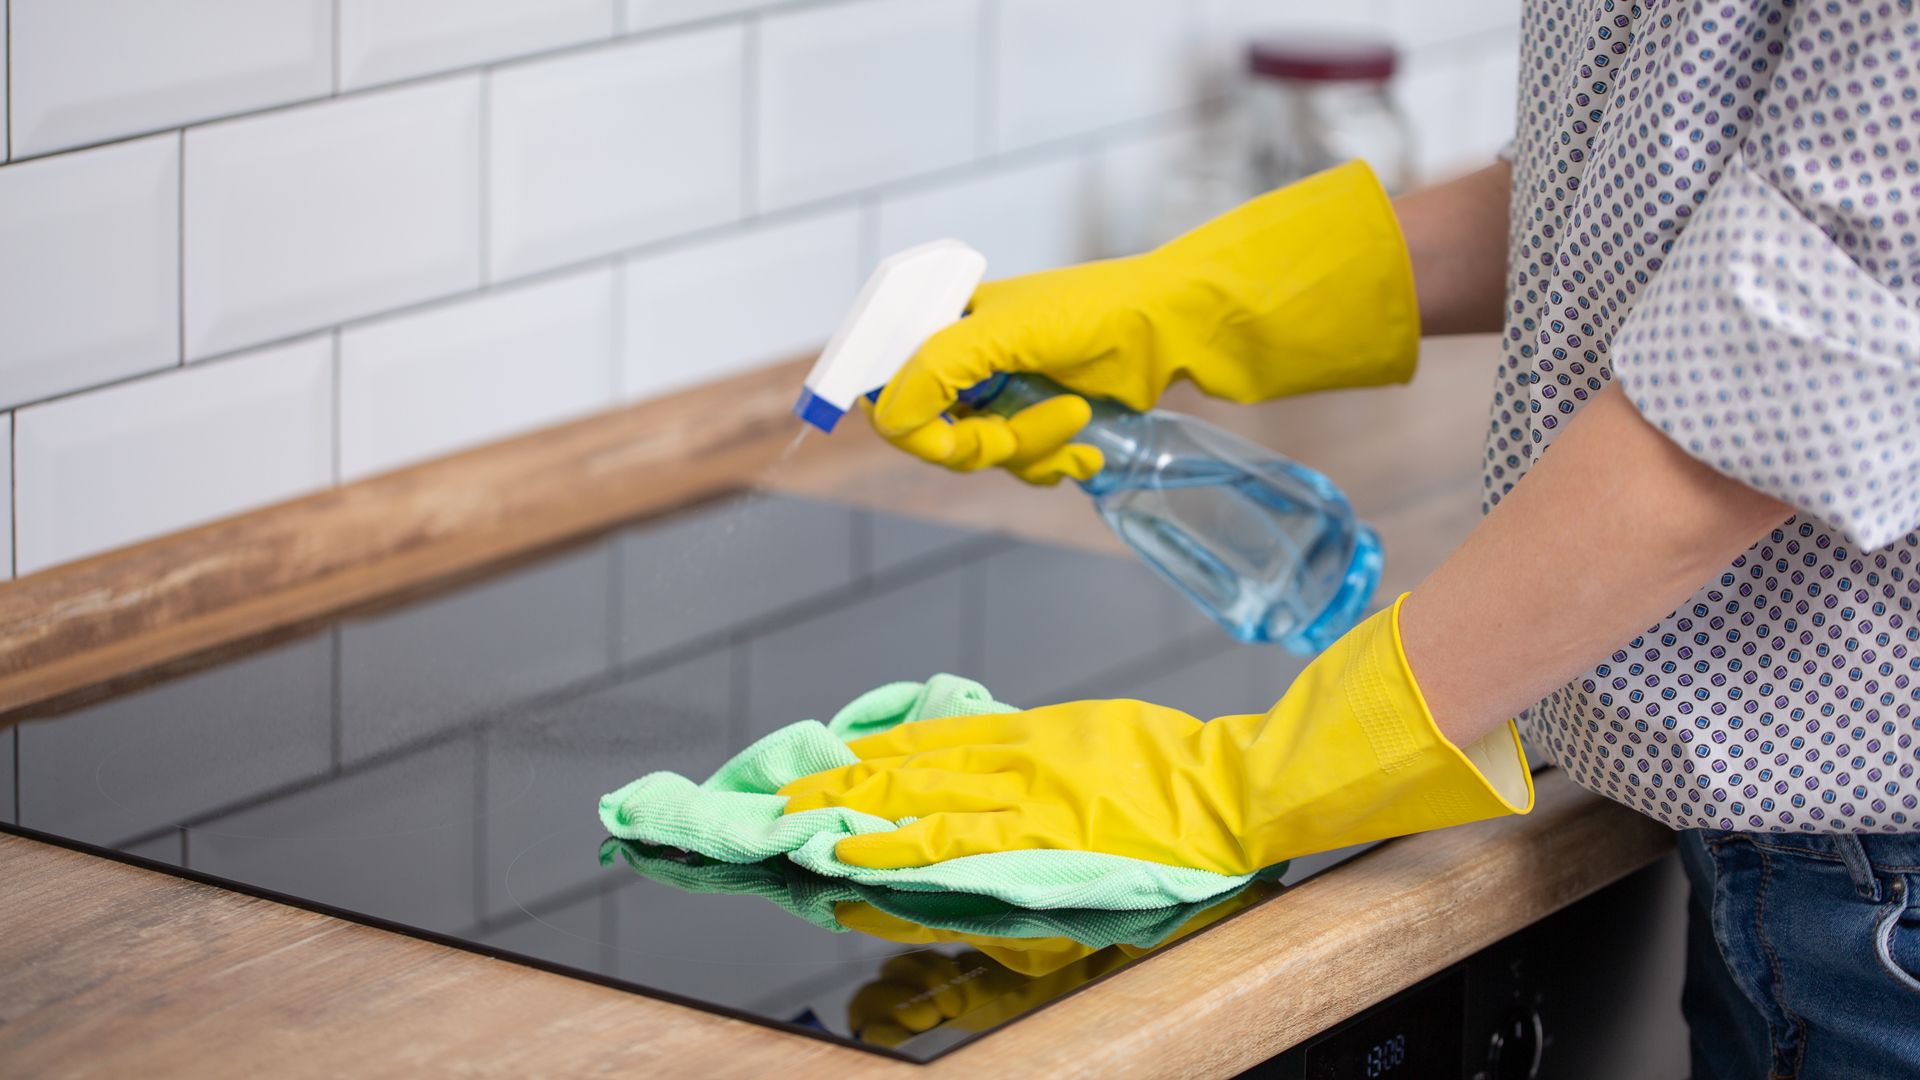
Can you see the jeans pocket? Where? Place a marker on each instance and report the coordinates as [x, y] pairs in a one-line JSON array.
[[1896, 935]]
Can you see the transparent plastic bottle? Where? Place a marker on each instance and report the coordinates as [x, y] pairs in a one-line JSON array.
[[1267, 547]]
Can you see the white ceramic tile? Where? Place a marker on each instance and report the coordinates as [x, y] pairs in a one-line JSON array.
[[6, 496], [857, 94], [1065, 67], [383, 40], [1418, 24], [112, 466], [602, 150], [301, 218], [89, 70], [1025, 218], [89, 267], [711, 308], [1226, 26], [1129, 184], [1433, 94], [1495, 84], [652, 14], [425, 383]]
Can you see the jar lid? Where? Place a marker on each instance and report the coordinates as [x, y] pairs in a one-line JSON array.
[[1322, 58]]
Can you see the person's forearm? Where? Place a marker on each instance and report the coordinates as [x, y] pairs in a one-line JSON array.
[[1456, 233], [1613, 528]]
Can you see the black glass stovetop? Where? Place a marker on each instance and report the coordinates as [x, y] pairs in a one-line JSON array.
[[433, 766]]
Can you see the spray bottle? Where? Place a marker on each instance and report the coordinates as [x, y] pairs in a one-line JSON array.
[[1268, 548]]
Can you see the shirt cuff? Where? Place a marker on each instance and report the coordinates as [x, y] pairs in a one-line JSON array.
[[1765, 352]]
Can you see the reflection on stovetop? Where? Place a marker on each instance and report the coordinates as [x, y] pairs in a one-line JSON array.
[[435, 765]]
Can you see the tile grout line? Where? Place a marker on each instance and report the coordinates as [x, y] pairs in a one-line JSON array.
[[690, 26], [863, 199], [334, 44], [180, 245], [558, 52], [485, 200]]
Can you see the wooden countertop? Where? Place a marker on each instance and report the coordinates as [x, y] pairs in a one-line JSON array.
[[106, 968]]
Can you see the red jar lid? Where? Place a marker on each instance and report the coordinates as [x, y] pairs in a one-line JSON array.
[[1322, 58]]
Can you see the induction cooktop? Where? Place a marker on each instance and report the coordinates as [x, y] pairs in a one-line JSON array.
[[432, 766]]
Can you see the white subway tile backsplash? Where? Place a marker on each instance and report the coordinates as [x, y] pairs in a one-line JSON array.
[[302, 218], [5, 144], [1023, 218], [1432, 93], [1065, 67], [6, 496], [89, 70], [89, 267], [1490, 112], [383, 40], [1237, 20], [424, 383], [707, 309], [652, 14], [1417, 24], [854, 95], [603, 150], [1132, 181], [112, 466]]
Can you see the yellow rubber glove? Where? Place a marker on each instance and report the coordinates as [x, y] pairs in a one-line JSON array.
[[916, 992], [1349, 754], [1305, 288]]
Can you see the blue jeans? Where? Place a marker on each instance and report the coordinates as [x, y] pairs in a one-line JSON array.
[[1803, 956]]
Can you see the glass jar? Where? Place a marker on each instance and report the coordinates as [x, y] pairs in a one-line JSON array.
[[1314, 101]]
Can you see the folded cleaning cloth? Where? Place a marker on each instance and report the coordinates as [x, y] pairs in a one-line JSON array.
[[816, 899], [736, 817]]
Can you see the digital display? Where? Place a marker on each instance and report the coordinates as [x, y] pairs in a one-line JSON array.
[[1418, 1034]]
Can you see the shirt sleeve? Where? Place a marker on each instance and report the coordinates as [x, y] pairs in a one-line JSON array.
[[1779, 343]]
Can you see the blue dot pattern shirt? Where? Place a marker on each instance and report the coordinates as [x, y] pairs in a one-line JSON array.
[[1716, 204]]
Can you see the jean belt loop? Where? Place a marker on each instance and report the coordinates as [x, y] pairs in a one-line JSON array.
[[1859, 867]]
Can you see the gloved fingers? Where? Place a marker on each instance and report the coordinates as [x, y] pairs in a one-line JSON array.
[[895, 1002], [885, 789], [1028, 956], [942, 733], [1077, 461], [933, 839], [883, 1032], [964, 445], [951, 360]]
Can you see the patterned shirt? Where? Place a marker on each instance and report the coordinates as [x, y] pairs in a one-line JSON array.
[[1716, 203]]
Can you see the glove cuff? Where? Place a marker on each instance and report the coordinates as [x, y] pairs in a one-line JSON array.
[[1488, 778], [1318, 288], [1351, 754]]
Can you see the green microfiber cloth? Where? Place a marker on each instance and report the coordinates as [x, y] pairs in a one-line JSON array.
[[812, 897], [735, 817]]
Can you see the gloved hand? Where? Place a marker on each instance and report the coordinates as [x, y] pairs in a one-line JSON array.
[[1305, 288], [919, 991], [1349, 754]]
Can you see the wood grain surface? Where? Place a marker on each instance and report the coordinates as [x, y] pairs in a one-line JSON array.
[[111, 970], [106, 969]]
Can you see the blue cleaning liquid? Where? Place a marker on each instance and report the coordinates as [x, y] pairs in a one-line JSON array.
[[1267, 547]]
